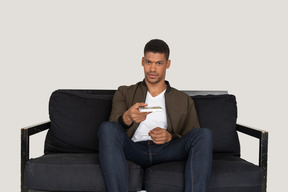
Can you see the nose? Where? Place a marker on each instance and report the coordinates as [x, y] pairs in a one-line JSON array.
[[152, 67]]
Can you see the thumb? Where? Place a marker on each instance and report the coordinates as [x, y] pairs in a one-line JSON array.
[[137, 105]]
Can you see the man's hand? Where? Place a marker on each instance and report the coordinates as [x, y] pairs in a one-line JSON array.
[[134, 115], [160, 136]]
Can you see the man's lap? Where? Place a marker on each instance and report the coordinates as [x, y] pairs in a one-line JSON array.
[[147, 153]]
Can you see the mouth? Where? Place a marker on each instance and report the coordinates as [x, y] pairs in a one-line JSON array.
[[152, 75]]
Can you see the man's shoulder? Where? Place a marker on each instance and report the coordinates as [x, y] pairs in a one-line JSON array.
[[180, 97], [126, 88], [178, 93]]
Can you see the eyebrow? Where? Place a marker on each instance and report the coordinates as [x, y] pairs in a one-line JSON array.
[[151, 61]]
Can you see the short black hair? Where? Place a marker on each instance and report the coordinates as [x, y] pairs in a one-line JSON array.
[[157, 46]]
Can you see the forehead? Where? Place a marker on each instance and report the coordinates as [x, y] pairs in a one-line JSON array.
[[154, 56]]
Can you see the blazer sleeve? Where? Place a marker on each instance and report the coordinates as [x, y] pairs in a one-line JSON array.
[[119, 106], [191, 120]]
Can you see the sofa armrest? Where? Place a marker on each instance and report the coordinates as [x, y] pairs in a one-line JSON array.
[[25, 140], [263, 147]]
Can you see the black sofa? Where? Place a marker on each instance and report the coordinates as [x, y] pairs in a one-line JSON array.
[[71, 161]]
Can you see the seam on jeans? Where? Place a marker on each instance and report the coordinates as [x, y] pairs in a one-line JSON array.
[[122, 138], [192, 171], [150, 153]]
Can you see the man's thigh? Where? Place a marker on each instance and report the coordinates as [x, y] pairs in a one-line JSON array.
[[175, 150], [136, 152]]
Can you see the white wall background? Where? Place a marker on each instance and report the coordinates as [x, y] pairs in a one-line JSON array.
[[239, 46]]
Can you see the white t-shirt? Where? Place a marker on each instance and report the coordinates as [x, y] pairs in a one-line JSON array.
[[153, 120]]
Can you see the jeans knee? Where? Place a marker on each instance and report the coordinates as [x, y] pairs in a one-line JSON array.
[[207, 137], [108, 129], [204, 135]]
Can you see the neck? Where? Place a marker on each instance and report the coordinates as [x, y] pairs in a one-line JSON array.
[[156, 89]]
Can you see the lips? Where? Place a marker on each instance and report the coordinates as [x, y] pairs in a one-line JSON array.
[[152, 75]]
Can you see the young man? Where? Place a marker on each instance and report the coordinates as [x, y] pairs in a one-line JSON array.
[[149, 138]]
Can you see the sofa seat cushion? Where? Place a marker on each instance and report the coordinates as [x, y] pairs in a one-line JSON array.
[[73, 172], [229, 174]]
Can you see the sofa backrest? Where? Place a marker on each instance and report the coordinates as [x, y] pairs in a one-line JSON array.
[[76, 115]]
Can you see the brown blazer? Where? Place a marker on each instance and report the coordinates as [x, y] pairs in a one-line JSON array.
[[181, 112]]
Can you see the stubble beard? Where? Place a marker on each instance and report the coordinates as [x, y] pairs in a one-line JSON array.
[[155, 81]]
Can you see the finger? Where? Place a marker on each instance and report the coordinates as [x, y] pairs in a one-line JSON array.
[[137, 114], [142, 113], [137, 105], [157, 129], [158, 137], [139, 118], [159, 132], [158, 141], [153, 133]]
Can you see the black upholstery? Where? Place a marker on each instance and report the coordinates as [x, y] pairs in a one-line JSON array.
[[75, 117], [219, 113], [229, 174], [71, 161], [73, 172]]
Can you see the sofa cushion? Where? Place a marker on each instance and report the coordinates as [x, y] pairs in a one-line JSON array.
[[73, 172], [76, 114], [229, 173], [219, 113], [75, 117]]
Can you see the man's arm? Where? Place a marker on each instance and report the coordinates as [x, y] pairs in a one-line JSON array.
[[134, 115], [119, 104], [124, 115], [191, 119]]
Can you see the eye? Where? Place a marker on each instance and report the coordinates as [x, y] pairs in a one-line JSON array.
[[159, 63], [148, 62]]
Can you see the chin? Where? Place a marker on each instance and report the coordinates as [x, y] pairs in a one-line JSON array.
[[153, 81]]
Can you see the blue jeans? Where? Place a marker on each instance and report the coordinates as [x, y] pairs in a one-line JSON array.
[[115, 147]]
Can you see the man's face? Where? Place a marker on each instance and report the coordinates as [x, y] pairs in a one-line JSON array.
[[155, 65]]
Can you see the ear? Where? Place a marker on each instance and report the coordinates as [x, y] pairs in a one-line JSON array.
[[168, 64], [142, 61]]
